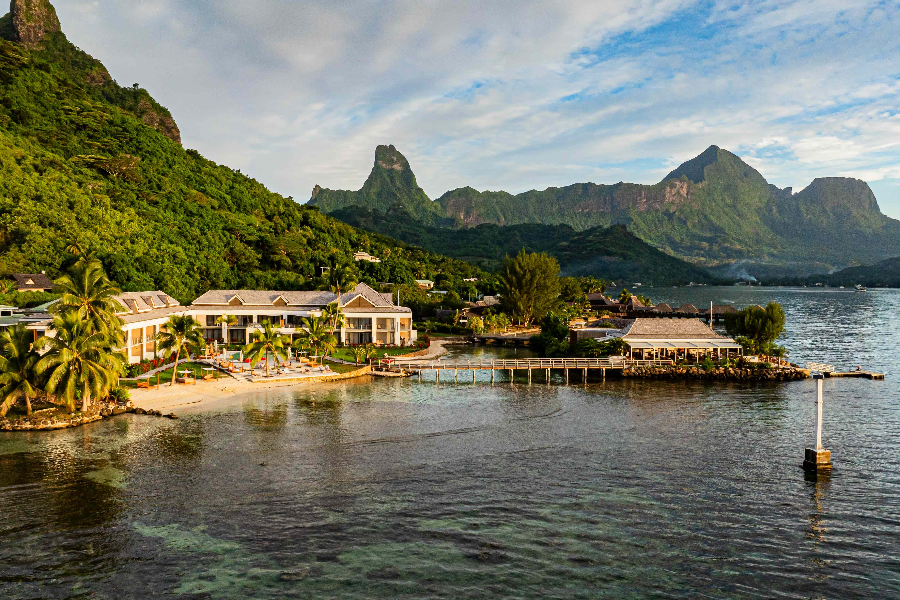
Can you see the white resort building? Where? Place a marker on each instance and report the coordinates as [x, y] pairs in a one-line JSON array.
[[369, 317]]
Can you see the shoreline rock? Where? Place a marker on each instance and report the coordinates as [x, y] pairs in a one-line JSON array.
[[40, 422], [716, 374]]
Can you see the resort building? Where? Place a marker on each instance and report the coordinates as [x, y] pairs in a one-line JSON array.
[[369, 317], [677, 339]]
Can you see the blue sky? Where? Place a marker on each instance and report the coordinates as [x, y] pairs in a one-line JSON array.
[[515, 95]]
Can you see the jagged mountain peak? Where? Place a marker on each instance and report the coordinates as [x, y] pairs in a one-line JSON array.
[[389, 157], [31, 21]]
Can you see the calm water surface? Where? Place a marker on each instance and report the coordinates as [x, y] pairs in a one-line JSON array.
[[398, 489]]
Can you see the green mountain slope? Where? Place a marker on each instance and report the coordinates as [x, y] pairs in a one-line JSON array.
[[85, 162], [390, 183], [712, 210], [611, 253]]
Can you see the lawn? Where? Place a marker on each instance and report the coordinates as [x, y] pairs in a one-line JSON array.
[[340, 367], [347, 353], [166, 376]]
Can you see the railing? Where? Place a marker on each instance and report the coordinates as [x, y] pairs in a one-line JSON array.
[[615, 362], [821, 367]]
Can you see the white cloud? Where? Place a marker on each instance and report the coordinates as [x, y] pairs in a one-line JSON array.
[[299, 93]]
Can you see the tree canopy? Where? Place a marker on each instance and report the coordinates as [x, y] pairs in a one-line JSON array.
[[529, 285], [757, 328]]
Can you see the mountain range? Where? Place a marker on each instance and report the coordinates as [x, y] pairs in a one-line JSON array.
[[714, 210]]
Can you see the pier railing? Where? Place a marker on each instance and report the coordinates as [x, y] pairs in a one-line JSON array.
[[535, 363]]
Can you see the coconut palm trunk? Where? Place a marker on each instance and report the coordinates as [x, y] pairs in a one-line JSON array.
[[175, 368]]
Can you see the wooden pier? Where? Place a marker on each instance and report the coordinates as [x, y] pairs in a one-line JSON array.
[[567, 365], [831, 371]]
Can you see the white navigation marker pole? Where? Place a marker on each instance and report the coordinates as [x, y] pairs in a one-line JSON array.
[[818, 458]]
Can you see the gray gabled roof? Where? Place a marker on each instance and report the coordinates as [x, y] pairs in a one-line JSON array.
[[32, 281], [375, 298], [679, 329], [265, 298], [142, 302]]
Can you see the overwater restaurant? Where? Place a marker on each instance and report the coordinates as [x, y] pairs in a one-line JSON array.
[[677, 339]]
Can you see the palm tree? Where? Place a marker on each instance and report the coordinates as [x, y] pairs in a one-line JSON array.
[[264, 341], [340, 279], [6, 286], [87, 291], [371, 352], [17, 372], [359, 353], [79, 359], [228, 321], [317, 335], [181, 332], [335, 314]]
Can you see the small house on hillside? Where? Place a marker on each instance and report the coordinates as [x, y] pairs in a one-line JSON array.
[[424, 284], [365, 256], [32, 282]]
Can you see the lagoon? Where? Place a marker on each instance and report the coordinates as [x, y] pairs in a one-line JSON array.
[[392, 488]]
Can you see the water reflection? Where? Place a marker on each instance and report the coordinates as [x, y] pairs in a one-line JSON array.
[[268, 415]]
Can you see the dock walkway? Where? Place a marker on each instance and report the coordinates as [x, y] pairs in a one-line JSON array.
[[529, 365]]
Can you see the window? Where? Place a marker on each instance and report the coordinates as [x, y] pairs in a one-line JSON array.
[[211, 320]]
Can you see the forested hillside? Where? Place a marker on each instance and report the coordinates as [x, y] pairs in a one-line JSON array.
[[713, 210], [607, 252], [89, 166]]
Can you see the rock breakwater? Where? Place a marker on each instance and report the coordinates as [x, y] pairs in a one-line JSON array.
[[719, 373]]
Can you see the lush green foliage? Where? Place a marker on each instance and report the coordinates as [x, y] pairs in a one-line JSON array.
[[18, 375], [757, 328], [714, 209], [554, 337], [79, 360], [390, 184], [267, 341], [79, 167], [591, 348], [530, 286], [611, 253], [182, 333]]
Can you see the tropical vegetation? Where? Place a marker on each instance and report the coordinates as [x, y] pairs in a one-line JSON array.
[[86, 162], [182, 333], [757, 328], [530, 286], [267, 341], [78, 358]]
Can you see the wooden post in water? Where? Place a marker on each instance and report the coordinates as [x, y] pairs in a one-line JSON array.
[[529, 376], [567, 375], [437, 376], [818, 458]]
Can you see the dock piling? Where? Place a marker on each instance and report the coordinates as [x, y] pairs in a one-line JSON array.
[[818, 459]]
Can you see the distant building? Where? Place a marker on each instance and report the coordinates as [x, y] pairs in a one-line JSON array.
[[358, 256], [470, 279], [33, 282], [677, 339], [424, 284], [687, 309]]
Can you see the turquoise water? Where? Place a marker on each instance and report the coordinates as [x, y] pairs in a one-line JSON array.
[[393, 488]]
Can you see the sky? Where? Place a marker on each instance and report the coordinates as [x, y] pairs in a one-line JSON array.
[[514, 95]]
